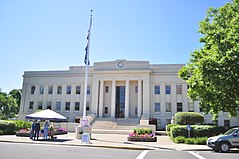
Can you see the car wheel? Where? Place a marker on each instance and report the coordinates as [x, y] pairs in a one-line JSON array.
[[224, 147]]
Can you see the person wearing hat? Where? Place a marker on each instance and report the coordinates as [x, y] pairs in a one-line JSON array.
[[37, 129]]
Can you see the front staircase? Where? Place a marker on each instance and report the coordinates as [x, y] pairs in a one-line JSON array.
[[114, 126]]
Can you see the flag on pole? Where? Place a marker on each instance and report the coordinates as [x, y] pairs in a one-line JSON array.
[[87, 49]]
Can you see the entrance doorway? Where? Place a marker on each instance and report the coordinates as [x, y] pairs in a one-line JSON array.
[[120, 102]]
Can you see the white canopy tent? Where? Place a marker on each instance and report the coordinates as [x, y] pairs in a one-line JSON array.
[[47, 115]]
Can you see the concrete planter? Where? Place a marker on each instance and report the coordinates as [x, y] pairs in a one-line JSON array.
[[141, 139]]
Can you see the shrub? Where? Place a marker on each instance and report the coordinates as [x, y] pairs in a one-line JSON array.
[[192, 118], [22, 124], [169, 126], [196, 141], [196, 131], [8, 127]]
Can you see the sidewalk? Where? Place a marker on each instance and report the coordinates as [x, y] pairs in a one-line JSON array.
[[109, 141]]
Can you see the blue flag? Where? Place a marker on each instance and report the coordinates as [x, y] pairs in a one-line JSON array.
[[87, 49]]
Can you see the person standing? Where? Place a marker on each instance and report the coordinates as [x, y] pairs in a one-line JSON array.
[[32, 134], [37, 129], [46, 125]]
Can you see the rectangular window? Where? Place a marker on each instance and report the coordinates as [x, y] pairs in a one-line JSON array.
[[136, 111], [227, 123], [67, 106], [106, 110], [58, 105], [50, 89], [136, 89], [77, 106], [59, 89], [88, 89], [106, 89], [31, 104], [168, 107], [168, 89], [157, 107], [68, 89], [157, 89], [179, 89], [87, 106], [41, 89], [33, 88], [179, 107], [48, 106], [39, 104], [78, 89], [190, 107], [168, 121]]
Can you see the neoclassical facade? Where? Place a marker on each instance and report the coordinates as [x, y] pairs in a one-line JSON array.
[[116, 89]]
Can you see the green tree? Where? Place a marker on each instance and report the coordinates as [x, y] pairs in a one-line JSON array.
[[8, 106], [16, 93], [212, 72]]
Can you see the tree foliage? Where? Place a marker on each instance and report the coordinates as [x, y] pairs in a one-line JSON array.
[[212, 72], [9, 104]]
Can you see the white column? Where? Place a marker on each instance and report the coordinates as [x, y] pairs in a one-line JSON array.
[[95, 95], [146, 98], [113, 95], [101, 98], [127, 99], [139, 98]]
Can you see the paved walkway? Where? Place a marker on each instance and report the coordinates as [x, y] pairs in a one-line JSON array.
[[108, 141]]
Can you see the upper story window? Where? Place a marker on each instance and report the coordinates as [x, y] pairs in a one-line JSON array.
[[68, 104], [33, 89], [31, 104], [48, 105], [157, 89], [78, 89], [136, 89], [41, 89], [179, 107], [168, 89], [59, 89], [157, 107], [88, 89], [77, 106], [40, 104], [179, 89], [58, 105], [68, 89], [190, 107], [168, 107], [50, 89], [106, 89]]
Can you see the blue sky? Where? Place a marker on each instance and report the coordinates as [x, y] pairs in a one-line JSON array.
[[51, 34]]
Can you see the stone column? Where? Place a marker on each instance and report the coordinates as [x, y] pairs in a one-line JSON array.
[[139, 98], [95, 96], [101, 98], [113, 96], [127, 99], [146, 98]]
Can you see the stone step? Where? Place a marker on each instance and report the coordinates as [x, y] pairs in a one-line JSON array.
[[104, 131]]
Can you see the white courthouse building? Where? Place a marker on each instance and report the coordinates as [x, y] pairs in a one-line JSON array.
[[116, 89]]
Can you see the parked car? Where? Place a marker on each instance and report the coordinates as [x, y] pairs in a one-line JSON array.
[[223, 143]]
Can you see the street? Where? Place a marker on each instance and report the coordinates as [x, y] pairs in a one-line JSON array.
[[40, 151]]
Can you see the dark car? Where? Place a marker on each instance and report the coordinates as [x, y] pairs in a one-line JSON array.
[[223, 143]]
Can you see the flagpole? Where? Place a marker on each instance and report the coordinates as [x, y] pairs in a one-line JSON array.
[[86, 68]]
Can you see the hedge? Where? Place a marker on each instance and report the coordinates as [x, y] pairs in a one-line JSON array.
[[196, 131], [10, 127], [192, 118], [196, 141]]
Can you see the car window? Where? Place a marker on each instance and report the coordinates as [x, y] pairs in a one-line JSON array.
[[229, 131]]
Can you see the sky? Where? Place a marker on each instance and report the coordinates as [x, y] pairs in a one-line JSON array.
[[39, 35]]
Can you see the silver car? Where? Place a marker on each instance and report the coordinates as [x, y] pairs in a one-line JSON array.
[[223, 143]]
